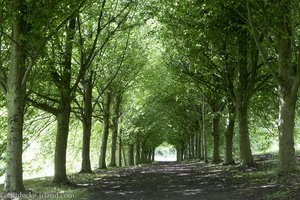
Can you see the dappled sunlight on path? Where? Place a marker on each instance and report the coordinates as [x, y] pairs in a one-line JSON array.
[[170, 180]]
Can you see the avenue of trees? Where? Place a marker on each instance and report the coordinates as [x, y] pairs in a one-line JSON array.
[[92, 84]]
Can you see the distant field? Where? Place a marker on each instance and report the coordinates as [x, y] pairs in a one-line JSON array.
[[165, 153]]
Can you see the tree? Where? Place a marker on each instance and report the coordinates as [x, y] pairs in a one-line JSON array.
[[275, 36], [86, 117], [14, 89], [25, 21], [214, 62], [66, 78], [106, 123], [116, 117]]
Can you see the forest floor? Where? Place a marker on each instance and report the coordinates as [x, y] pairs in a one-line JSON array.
[[196, 180], [171, 180]]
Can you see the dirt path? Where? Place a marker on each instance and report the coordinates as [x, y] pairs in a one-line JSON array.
[[186, 181]]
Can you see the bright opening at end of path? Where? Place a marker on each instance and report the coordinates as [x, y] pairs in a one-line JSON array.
[[165, 153]]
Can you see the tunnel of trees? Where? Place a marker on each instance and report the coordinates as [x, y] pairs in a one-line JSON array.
[[90, 84]]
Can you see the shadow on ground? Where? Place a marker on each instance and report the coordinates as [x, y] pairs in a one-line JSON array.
[[196, 180]]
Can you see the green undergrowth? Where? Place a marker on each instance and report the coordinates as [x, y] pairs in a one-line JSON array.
[[44, 189], [266, 170], [261, 176], [287, 194], [266, 174]]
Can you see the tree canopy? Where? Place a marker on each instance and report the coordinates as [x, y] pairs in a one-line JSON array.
[[89, 82]]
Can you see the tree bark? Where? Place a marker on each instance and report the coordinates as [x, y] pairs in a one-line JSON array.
[[243, 96], [245, 149], [87, 125], [287, 106], [178, 154], [86, 139], [63, 118], [131, 154], [120, 150], [143, 153], [63, 115], [229, 136], [138, 152], [153, 156], [216, 138], [182, 152], [15, 99], [115, 130], [124, 154], [197, 147], [192, 146], [106, 116], [201, 149], [185, 152], [205, 157], [289, 80], [150, 156]]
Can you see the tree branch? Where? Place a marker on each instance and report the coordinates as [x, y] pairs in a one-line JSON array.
[[116, 73], [43, 106], [44, 42], [256, 39]]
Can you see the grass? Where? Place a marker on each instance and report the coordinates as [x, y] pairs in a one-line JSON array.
[[287, 194], [44, 189], [261, 176], [266, 168], [266, 174], [47, 190]]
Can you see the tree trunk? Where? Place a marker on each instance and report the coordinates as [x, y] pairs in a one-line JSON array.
[[197, 144], [289, 80], [190, 147], [245, 149], [115, 130], [87, 125], [192, 144], [143, 153], [200, 145], [86, 162], [205, 157], [243, 96], [106, 115], [15, 104], [182, 152], [153, 156], [15, 99], [63, 118], [150, 156], [216, 138], [178, 154], [229, 136], [120, 150], [287, 106], [131, 154], [201, 149], [124, 155], [185, 153], [138, 153]]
